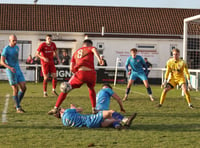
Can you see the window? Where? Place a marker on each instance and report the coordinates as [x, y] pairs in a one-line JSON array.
[[146, 47]]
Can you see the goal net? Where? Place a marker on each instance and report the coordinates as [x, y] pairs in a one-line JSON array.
[[191, 47], [191, 42]]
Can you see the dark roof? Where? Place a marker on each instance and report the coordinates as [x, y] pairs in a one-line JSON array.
[[90, 19]]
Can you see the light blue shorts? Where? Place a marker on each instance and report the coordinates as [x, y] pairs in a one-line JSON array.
[[135, 75], [95, 120], [15, 78]]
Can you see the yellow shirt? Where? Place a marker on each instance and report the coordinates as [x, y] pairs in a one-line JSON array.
[[177, 69]]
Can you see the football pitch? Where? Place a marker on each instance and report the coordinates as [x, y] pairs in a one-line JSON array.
[[173, 125]]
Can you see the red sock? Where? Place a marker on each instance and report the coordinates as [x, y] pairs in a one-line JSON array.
[[45, 85], [92, 95], [60, 99], [54, 83]]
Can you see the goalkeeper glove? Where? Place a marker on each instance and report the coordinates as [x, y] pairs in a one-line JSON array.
[[164, 84]]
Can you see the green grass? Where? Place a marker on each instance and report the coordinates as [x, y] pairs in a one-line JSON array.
[[173, 125]]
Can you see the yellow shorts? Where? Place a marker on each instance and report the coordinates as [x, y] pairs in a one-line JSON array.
[[174, 81]]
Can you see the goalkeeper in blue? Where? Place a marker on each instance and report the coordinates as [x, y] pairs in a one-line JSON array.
[[176, 69], [72, 117], [9, 59], [136, 64]]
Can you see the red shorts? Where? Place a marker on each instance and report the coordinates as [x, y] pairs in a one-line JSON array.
[[81, 77], [48, 68]]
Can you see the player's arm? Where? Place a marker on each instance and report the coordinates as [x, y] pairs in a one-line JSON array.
[[56, 55], [3, 63], [187, 76], [96, 53], [168, 70], [145, 66], [73, 64], [78, 109], [126, 67], [39, 55], [118, 99]]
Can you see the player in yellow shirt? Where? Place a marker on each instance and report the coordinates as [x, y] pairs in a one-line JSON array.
[[176, 67]]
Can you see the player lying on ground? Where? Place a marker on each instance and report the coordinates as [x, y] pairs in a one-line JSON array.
[[82, 65], [73, 118], [176, 67], [103, 98]]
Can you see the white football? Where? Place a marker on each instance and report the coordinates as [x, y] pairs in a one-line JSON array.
[[65, 87]]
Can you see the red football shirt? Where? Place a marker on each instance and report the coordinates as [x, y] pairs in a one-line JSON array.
[[47, 51], [83, 57]]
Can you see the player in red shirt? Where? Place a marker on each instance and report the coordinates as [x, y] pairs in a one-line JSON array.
[[46, 53], [82, 65]]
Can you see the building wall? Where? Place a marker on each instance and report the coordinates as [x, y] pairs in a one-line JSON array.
[[112, 47]]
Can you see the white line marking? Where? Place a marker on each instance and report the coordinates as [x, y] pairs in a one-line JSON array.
[[4, 118], [142, 94]]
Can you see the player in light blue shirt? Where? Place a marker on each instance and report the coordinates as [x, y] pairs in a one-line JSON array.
[[72, 117], [136, 63], [103, 98], [9, 59]]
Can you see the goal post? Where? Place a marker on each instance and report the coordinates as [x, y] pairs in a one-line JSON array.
[[191, 46]]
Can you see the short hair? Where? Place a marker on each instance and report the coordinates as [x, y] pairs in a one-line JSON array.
[[88, 41], [145, 58], [108, 85], [49, 35], [176, 50], [134, 49]]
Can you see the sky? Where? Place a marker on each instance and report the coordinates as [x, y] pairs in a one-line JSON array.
[[190, 4]]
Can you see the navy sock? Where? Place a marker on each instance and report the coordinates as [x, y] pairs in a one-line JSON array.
[[20, 96], [15, 98], [115, 124], [117, 116], [149, 91], [127, 90]]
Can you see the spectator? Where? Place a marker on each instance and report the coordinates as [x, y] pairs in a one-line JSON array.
[[65, 58], [29, 61], [36, 60], [149, 65], [104, 61]]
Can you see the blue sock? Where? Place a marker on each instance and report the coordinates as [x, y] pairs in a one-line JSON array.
[[20, 96], [15, 98], [115, 124], [149, 91], [127, 90], [117, 116]]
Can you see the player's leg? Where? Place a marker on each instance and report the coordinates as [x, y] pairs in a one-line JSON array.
[[75, 83], [168, 87], [21, 92], [149, 91], [117, 116], [90, 80], [187, 95], [12, 78], [52, 70], [54, 83], [22, 85], [45, 71], [128, 88]]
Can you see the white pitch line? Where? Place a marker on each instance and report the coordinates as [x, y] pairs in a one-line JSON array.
[[142, 94], [4, 118]]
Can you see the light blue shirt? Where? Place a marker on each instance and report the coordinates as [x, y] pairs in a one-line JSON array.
[[103, 99], [11, 55], [136, 64]]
